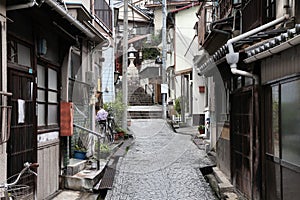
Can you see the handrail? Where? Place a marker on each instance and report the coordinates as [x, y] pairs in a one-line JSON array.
[[6, 93], [88, 130], [96, 134]]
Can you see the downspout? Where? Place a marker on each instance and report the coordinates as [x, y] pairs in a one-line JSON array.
[[69, 17], [22, 6], [233, 57], [286, 6]]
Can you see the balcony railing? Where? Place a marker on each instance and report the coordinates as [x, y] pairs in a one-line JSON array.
[[104, 13]]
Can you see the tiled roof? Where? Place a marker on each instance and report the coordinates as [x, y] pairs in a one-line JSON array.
[[274, 41]]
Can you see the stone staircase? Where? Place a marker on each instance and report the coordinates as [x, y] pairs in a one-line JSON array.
[[145, 112], [138, 97]]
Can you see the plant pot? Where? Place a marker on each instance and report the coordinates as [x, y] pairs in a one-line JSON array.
[[201, 131], [121, 134], [79, 154], [116, 136]]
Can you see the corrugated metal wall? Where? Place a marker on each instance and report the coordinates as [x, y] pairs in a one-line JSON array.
[[48, 172], [280, 65]]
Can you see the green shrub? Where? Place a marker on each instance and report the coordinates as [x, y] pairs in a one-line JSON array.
[[177, 105]]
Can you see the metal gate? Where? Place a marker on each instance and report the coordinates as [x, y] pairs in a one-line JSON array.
[[22, 145]]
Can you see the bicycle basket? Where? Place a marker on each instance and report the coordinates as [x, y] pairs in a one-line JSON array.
[[20, 192]]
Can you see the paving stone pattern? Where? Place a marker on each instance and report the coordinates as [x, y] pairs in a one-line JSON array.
[[160, 165]]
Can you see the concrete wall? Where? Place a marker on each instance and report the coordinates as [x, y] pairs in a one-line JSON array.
[[184, 34]]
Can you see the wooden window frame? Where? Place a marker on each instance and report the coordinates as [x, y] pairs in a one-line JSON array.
[[47, 126]]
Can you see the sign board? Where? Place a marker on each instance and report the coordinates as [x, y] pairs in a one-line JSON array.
[[164, 88]]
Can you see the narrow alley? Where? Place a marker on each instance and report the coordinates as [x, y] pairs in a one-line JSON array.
[[160, 164]]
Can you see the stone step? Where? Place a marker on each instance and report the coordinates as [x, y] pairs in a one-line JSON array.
[[75, 166], [145, 114], [223, 183], [84, 180], [82, 175]]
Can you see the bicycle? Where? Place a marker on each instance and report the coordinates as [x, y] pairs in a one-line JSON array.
[[12, 191], [105, 131], [107, 127]]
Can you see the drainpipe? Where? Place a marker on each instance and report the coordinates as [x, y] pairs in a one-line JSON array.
[[22, 6], [70, 18], [286, 6], [233, 57]]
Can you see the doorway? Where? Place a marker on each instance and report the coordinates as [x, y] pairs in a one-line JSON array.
[[22, 144]]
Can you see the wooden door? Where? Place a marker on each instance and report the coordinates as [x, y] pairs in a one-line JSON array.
[[22, 145], [245, 144]]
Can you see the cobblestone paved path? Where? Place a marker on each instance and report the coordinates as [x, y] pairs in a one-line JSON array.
[[160, 165]]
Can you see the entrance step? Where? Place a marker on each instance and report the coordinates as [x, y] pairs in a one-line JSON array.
[[86, 179], [75, 166], [82, 176], [223, 183]]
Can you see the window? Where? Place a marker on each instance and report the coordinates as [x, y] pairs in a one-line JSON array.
[[290, 121], [18, 53], [284, 137], [270, 10], [47, 96]]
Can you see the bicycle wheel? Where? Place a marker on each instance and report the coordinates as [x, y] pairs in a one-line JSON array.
[[101, 130], [110, 134]]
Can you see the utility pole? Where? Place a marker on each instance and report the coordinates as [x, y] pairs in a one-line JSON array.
[[164, 56], [125, 64]]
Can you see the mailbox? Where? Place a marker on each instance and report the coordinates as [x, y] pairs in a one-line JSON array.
[[66, 118]]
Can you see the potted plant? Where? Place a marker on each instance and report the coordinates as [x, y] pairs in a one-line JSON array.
[[104, 151], [121, 132], [201, 129], [80, 147], [80, 152]]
